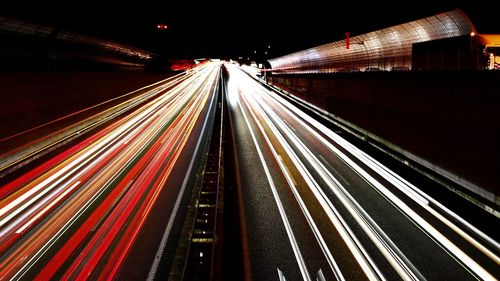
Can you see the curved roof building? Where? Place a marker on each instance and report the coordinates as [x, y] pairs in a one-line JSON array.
[[385, 49]]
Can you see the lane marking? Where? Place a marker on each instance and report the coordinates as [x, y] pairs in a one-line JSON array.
[[413, 192], [397, 259], [288, 228], [360, 254], [166, 234]]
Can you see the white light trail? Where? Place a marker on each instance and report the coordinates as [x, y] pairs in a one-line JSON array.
[[286, 223], [450, 247]]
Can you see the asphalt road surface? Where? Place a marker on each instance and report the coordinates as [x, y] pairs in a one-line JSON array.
[[315, 206], [81, 213]]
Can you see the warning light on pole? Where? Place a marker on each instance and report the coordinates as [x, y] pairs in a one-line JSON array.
[[347, 34], [161, 26]]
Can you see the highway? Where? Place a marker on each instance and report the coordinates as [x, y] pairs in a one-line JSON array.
[[315, 207], [311, 205], [80, 214]]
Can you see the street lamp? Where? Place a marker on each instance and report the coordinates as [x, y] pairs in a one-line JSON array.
[[363, 43]]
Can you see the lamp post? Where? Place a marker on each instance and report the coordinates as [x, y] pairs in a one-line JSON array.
[[363, 43]]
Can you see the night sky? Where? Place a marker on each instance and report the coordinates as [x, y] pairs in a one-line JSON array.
[[236, 28]]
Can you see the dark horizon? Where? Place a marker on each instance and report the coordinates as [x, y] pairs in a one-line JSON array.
[[224, 30]]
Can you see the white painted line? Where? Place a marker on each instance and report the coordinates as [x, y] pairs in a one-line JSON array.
[[166, 233], [397, 259], [359, 253], [467, 262], [286, 223]]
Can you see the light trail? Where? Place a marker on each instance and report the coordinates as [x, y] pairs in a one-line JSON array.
[[293, 242], [414, 193], [401, 264], [100, 191], [292, 183], [49, 140], [285, 129], [360, 254], [410, 190]]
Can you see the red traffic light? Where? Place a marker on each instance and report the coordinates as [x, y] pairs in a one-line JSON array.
[[161, 26]]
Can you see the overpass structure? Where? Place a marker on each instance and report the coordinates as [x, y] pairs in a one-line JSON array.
[[25, 43], [447, 40]]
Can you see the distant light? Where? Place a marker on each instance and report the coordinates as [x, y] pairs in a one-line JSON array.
[[472, 34], [161, 26], [269, 46], [255, 52]]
